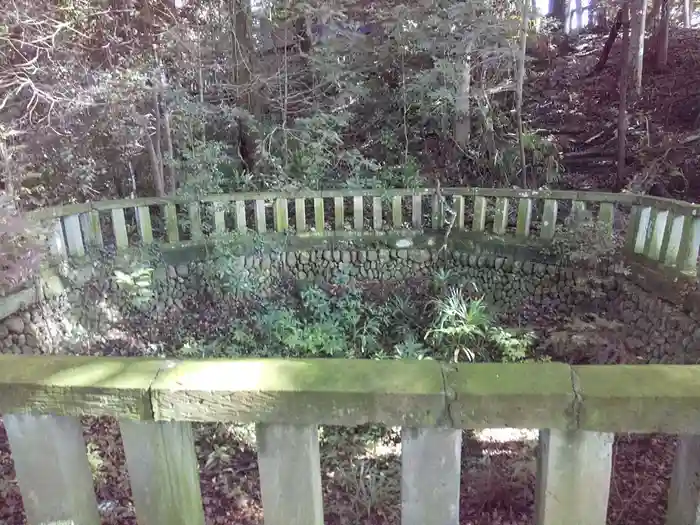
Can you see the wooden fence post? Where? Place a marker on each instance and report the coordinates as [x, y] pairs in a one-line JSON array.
[[52, 468], [573, 477], [430, 475]]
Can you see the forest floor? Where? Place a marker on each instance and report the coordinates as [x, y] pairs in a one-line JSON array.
[[580, 111]]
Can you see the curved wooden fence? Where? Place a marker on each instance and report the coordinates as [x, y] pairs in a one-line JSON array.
[[663, 232]]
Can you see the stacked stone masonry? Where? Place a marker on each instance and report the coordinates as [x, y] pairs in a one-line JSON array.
[[93, 303]]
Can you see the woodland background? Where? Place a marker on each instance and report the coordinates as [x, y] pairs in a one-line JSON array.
[[122, 98]]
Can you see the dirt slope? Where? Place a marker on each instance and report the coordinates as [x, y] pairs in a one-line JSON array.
[[580, 110]]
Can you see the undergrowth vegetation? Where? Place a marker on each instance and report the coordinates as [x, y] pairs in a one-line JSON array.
[[340, 318]]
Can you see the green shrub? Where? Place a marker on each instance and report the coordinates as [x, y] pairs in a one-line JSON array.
[[464, 328]]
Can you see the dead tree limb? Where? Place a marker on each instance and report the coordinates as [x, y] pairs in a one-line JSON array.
[[608, 44]]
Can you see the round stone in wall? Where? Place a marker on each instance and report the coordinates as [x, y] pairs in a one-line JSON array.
[[15, 325]]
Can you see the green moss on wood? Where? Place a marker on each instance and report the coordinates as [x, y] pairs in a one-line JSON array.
[[73, 386], [531, 395], [322, 391], [639, 398], [643, 398]]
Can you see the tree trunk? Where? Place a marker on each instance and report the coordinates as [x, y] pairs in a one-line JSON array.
[[596, 15], [536, 16], [687, 12], [558, 9], [622, 112], [9, 175], [638, 10], [156, 164], [608, 44], [579, 15], [158, 141], [519, 90], [242, 47], [463, 122], [169, 182], [662, 35], [154, 144], [653, 14]]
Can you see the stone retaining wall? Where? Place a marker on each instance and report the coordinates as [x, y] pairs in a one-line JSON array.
[[85, 302]]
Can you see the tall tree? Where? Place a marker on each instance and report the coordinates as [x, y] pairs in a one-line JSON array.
[[638, 11], [558, 10], [622, 112], [241, 40], [662, 35], [653, 14], [519, 88], [242, 56], [463, 123]]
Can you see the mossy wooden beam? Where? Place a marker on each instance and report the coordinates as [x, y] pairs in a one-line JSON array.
[[302, 392], [528, 395], [77, 385], [640, 398]]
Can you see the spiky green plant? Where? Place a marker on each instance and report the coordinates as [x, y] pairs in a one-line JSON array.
[[459, 323]]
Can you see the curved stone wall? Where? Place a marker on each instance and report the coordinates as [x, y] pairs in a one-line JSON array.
[[82, 304]]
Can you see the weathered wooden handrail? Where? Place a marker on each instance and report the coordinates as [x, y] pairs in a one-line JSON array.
[[620, 398], [663, 232], [629, 199], [578, 408]]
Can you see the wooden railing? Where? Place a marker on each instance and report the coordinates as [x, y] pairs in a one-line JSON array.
[[579, 409], [662, 232]]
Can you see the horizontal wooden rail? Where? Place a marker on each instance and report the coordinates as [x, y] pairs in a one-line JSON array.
[[629, 199], [634, 398], [578, 409]]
